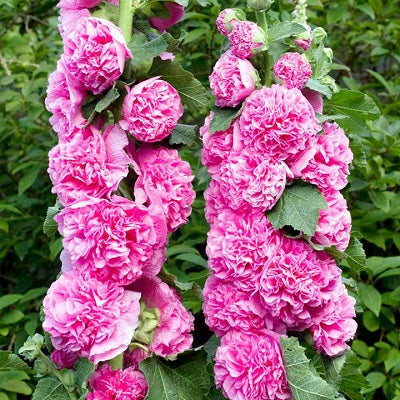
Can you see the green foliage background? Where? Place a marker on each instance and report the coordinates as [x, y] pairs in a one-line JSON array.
[[364, 36]]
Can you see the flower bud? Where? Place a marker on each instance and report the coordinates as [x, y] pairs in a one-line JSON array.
[[31, 348], [148, 321], [260, 5], [329, 53], [227, 17], [41, 368], [330, 82], [319, 35]]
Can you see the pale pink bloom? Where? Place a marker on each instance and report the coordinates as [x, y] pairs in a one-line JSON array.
[[115, 239], [151, 110], [77, 4], [240, 248], [337, 326], [95, 53], [227, 18], [277, 121], [63, 358], [293, 69], [166, 55], [176, 13], [334, 222], [64, 99], [127, 384], [305, 41], [90, 164], [172, 334], [249, 366], [298, 283], [314, 98], [215, 202], [165, 180], [69, 18], [252, 180], [325, 162], [91, 318], [232, 80], [226, 307], [246, 39]]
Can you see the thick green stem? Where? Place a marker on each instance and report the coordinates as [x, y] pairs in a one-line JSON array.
[[125, 18], [262, 23], [117, 362]]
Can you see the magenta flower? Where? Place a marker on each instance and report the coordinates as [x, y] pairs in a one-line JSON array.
[[176, 13], [63, 358], [315, 99], [91, 318], [151, 110], [77, 4], [227, 18], [215, 202], [293, 70], [304, 40]]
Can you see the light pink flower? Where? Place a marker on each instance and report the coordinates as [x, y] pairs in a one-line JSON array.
[[95, 53], [277, 121], [215, 202], [305, 39], [293, 69], [151, 110], [63, 358], [77, 4], [249, 366], [232, 80], [91, 164], [172, 335], [165, 180], [314, 98], [69, 18], [337, 326], [326, 160], [252, 180], [176, 13], [298, 283], [64, 98], [116, 240], [227, 18], [91, 318], [226, 307], [246, 39], [127, 384], [334, 222], [240, 248], [166, 55]]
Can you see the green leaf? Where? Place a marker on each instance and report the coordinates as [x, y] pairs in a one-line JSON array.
[[375, 380], [9, 361], [318, 86], [298, 207], [50, 227], [11, 317], [352, 378], [330, 368], [33, 294], [358, 108], [354, 255], [370, 297], [16, 386], [184, 379], [144, 50], [211, 347], [28, 179], [50, 388], [3, 396], [16, 375], [303, 379], [380, 264], [107, 100], [9, 299], [283, 30], [192, 92], [223, 118], [84, 368], [192, 258], [323, 118], [4, 226], [183, 134], [370, 321], [180, 248]]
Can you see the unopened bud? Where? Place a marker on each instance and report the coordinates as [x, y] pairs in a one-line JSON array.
[[148, 321], [260, 5], [329, 53], [319, 35], [31, 348], [226, 19]]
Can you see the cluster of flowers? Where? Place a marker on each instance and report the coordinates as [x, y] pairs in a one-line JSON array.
[[108, 296], [264, 284]]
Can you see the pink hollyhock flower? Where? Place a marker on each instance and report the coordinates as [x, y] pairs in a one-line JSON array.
[[246, 39], [298, 283], [91, 318], [326, 160], [227, 18], [215, 202], [91, 164], [232, 80], [165, 180], [334, 222], [240, 247], [77, 4], [115, 239], [249, 366], [95, 53], [226, 307], [151, 110], [127, 384], [64, 99], [166, 55], [176, 13], [252, 180], [304, 40], [277, 121], [69, 18], [63, 358], [314, 98], [293, 69], [172, 335], [337, 326], [135, 357]]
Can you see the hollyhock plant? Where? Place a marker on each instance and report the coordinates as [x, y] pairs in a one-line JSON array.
[[227, 18], [246, 39], [240, 247], [298, 283], [215, 202], [249, 366], [166, 181], [64, 359], [325, 162], [91, 318], [77, 4], [69, 18], [127, 384], [151, 110], [95, 53], [232, 80], [172, 334], [278, 122], [304, 40], [90, 164], [293, 70], [176, 13], [115, 239]]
